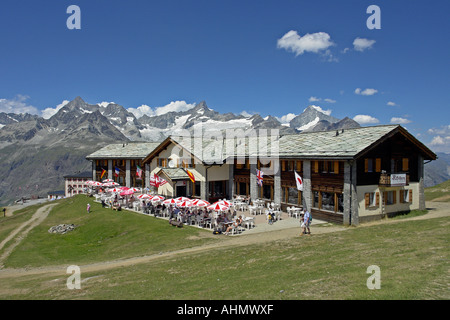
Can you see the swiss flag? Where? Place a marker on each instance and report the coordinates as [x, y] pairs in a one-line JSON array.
[[299, 181]]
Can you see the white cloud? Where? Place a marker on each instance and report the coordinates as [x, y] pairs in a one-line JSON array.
[[48, 112], [176, 106], [392, 104], [314, 42], [365, 119], [17, 105], [361, 44], [366, 92], [439, 141], [286, 118], [396, 120], [315, 99]]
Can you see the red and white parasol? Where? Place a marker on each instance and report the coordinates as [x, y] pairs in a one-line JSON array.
[[218, 207], [170, 201], [126, 192], [157, 198], [201, 203], [184, 204]]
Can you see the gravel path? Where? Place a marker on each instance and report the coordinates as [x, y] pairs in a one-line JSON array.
[[285, 229]]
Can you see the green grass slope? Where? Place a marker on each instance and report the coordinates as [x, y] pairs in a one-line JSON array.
[[440, 192]]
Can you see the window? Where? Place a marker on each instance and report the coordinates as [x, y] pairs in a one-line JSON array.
[[162, 162], [390, 197], [293, 196], [406, 196], [372, 165], [372, 199], [267, 191], [328, 201], [399, 165]]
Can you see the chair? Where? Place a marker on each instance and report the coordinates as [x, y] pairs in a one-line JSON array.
[[249, 222]]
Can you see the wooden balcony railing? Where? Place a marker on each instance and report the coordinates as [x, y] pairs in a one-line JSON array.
[[385, 180]]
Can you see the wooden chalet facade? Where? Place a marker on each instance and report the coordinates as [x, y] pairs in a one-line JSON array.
[[349, 176]]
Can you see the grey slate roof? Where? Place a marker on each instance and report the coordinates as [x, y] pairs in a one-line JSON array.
[[175, 173], [332, 144], [135, 150], [217, 149], [313, 145]]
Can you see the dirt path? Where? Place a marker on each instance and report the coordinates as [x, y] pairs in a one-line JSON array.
[[35, 220], [436, 210]]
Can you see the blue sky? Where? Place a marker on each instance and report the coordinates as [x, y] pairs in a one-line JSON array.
[[266, 57]]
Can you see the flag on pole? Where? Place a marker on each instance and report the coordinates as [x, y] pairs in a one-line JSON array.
[[299, 181], [116, 171], [157, 181], [139, 172], [259, 177], [103, 173], [161, 181], [191, 176]]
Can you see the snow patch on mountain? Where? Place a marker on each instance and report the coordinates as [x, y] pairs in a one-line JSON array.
[[309, 125]]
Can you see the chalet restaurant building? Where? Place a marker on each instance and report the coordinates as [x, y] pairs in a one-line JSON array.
[[349, 176]]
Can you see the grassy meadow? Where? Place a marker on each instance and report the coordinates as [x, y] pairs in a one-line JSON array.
[[440, 192], [413, 258]]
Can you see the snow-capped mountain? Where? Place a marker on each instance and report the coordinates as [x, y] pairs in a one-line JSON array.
[[41, 151]]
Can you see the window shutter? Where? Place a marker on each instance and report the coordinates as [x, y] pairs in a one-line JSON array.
[[366, 165], [377, 199], [367, 196], [410, 195], [385, 195], [336, 167], [405, 164], [402, 196], [283, 165], [378, 165], [394, 195], [316, 166], [299, 166]]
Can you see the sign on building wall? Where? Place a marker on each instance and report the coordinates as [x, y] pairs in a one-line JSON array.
[[398, 179]]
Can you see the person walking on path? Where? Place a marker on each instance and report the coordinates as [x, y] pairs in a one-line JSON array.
[[4, 212], [88, 208], [306, 221]]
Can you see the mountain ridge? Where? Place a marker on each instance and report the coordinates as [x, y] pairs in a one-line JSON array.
[[39, 152]]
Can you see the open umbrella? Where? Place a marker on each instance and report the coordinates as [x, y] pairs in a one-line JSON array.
[[183, 199], [223, 202], [113, 190], [126, 192], [110, 184], [144, 196], [157, 198], [170, 201], [217, 207], [201, 203], [184, 204], [108, 180], [96, 184]]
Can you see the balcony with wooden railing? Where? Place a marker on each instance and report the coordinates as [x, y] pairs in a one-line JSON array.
[[385, 180]]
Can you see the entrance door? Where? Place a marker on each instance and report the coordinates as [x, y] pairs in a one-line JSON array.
[[181, 191]]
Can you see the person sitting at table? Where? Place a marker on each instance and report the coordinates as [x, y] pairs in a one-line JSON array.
[[235, 224]]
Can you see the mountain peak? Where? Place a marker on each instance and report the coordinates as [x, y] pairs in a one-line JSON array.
[[201, 106]]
